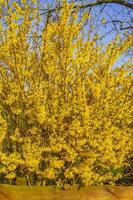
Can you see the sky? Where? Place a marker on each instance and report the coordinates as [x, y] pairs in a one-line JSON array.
[[110, 12]]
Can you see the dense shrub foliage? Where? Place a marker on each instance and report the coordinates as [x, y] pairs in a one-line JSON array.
[[65, 110]]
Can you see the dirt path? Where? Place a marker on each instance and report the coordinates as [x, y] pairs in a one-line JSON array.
[[49, 193]]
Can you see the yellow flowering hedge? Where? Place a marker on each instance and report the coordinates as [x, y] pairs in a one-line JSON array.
[[65, 110]]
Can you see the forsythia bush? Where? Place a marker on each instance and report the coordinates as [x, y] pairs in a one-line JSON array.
[[65, 110]]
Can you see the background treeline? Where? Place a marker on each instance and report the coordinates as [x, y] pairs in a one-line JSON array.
[[65, 99]]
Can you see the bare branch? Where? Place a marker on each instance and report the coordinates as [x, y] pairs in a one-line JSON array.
[[99, 2], [96, 3], [127, 27]]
